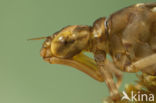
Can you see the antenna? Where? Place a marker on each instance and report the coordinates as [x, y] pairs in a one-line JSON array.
[[39, 38]]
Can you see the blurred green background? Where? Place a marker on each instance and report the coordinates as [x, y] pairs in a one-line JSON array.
[[24, 76]]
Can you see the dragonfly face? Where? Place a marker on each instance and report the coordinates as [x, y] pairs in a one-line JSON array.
[[67, 47]]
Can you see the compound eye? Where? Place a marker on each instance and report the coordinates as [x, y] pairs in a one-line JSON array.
[[64, 47], [68, 43]]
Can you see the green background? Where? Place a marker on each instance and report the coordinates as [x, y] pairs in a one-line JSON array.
[[24, 76]]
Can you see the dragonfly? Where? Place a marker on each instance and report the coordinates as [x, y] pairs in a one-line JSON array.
[[128, 36]]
